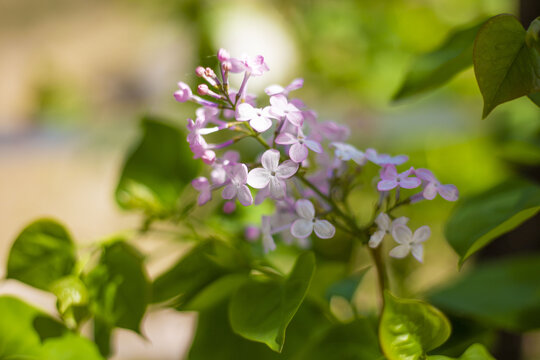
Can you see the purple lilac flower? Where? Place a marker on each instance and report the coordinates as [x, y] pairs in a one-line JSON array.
[[237, 187], [202, 185], [259, 119], [433, 186], [390, 179], [278, 89], [385, 159], [298, 151], [409, 242], [283, 109]]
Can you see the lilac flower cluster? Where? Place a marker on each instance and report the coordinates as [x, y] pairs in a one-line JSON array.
[[302, 161]]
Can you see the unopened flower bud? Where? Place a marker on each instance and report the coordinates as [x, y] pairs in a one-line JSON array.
[[184, 93], [223, 55], [209, 73], [226, 66], [202, 89], [199, 71]]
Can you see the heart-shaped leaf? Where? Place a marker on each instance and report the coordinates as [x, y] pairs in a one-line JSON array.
[[474, 352], [505, 67], [410, 328], [42, 254], [261, 310]]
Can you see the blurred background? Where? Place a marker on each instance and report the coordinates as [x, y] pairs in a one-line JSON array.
[[76, 75]]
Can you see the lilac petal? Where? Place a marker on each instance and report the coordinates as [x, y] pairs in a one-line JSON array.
[[237, 66], [421, 234], [410, 183], [417, 251], [204, 197], [389, 172], [278, 102], [425, 175], [430, 191], [314, 146], [406, 173], [302, 228], [400, 251], [260, 123], [274, 90], [402, 234], [383, 221], [229, 192], [277, 188], [324, 229], [245, 112], [399, 159], [244, 195], [449, 192], [386, 185], [231, 156], [376, 238], [258, 178], [200, 183], [295, 118], [241, 173], [262, 195], [286, 169], [295, 84], [304, 209], [286, 138], [298, 152], [270, 159], [402, 220]]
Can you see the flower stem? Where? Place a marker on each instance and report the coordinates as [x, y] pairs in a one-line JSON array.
[[382, 275]]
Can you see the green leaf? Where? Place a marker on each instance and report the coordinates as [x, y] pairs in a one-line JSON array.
[[119, 286], [535, 98], [347, 286], [70, 347], [533, 35], [356, 340], [434, 69], [478, 220], [42, 253], [504, 294], [474, 352], [217, 292], [72, 300], [204, 264], [261, 310], [410, 328], [157, 170], [505, 67], [20, 340]]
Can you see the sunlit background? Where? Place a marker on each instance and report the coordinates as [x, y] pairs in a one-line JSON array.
[[76, 75]]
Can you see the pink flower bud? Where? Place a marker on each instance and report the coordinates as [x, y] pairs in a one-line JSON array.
[[209, 73], [229, 207], [252, 233], [223, 55], [199, 71], [202, 89], [226, 66], [184, 93]]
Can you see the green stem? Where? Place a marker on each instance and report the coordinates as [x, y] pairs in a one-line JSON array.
[[382, 275]]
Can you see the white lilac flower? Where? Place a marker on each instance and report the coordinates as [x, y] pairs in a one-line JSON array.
[[272, 174], [409, 242], [307, 223], [385, 226], [237, 187]]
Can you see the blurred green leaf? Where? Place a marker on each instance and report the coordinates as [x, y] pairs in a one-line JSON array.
[[347, 286], [475, 352], [535, 98], [262, 310], [532, 38], [47, 327], [119, 287], [480, 219], [410, 328], [204, 264], [215, 293], [20, 340], [70, 347], [504, 294], [434, 69], [157, 170], [505, 67], [72, 300], [42, 253], [356, 340]]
